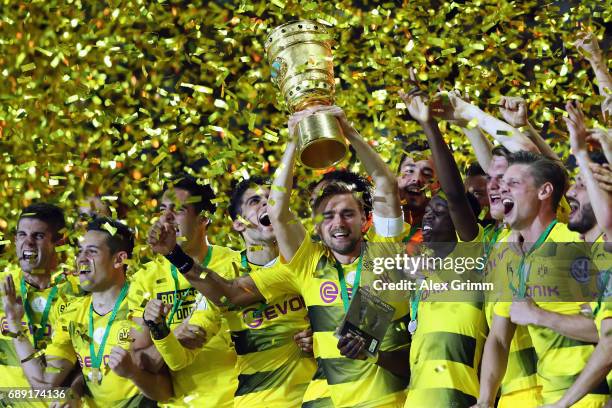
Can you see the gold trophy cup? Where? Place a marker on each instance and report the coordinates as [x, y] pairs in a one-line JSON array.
[[300, 56]]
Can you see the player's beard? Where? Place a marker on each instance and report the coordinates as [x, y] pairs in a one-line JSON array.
[[585, 222]]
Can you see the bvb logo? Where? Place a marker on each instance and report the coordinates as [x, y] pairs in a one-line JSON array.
[[328, 291], [580, 269], [123, 336]]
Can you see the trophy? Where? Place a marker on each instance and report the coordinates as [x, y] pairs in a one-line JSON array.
[[300, 57]]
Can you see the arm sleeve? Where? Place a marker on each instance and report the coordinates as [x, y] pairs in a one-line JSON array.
[[388, 227], [138, 295], [61, 343], [287, 278], [174, 354]]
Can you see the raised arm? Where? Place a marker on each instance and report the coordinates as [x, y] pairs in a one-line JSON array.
[[386, 200], [509, 137], [601, 201], [288, 229], [241, 291], [514, 111], [481, 145], [40, 372], [588, 47], [450, 179]]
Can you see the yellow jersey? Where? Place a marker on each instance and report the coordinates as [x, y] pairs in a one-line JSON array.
[[210, 380], [272, 370], [556, 274], [71, 341], [63, 290], [447, 345], [314, 274]]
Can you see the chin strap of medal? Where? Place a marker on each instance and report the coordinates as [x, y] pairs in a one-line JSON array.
[[95, 374], [414, 311]]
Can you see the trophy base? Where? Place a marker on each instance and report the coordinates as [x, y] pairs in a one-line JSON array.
[[320, 141]]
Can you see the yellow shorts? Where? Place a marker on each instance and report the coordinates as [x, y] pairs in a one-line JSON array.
[[529, 398]]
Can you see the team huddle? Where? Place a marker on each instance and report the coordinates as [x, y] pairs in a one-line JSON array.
[[204, 325]]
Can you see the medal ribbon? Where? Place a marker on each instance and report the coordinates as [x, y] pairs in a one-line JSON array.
[[490, 243], [39, 333], [176, 302], [244, 263], [413, 230], [520, 292], [414, 305], [96, 358], [343, 289]]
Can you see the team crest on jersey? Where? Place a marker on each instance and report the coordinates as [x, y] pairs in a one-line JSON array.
[[123, 337], [580, 269], [328, 291]]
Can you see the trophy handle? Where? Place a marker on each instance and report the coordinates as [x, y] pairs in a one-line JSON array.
[[320, 141]]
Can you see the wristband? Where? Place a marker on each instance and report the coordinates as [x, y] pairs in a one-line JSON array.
[[158, 330], [13, 335], [180, 259]]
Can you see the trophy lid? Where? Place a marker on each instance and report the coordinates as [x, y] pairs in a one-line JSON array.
[[282, 36]]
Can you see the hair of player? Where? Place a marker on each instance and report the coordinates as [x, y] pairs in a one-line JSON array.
[[50, 214], [474, 170], [201, 194], [118, 236], [235, 203], [543, 170], [354, 181], [335, 188]]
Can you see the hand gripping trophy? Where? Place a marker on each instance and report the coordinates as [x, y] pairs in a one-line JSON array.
[[299, 53]]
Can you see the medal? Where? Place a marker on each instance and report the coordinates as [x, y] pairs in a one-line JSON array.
[[412, 326], [414, 311], [95, 375]]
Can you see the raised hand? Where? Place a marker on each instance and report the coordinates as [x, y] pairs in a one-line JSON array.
[[603, 175], [604, 139], [576, 127], [514, 111], [443, 107], [162, 238], [417, 105], [13, 305], [587, 45]]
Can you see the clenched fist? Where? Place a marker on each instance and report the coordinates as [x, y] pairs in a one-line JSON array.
[[162, 238], [122, 362], [156, 311], [514, 111]]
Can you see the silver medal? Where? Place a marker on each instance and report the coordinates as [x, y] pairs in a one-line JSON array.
[[412, 326], [95, 375]]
